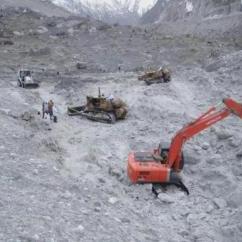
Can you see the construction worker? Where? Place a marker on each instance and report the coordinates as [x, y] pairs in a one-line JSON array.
[[44, 109], [166, 74], [50, 108]]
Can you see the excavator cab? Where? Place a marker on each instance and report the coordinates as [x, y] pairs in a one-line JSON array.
[[162, 154]]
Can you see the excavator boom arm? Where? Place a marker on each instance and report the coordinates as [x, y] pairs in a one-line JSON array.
[[211, 117], [234, 107]]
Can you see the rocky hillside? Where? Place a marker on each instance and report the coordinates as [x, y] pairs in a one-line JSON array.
[[175, 10], [44, 7]]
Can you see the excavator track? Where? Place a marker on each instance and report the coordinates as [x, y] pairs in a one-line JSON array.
[[158, 186]]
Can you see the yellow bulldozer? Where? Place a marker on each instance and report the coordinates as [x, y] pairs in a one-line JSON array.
[[101, 109], [162, 75]]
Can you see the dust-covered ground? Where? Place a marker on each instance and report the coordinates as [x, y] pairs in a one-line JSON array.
[[67, 181]]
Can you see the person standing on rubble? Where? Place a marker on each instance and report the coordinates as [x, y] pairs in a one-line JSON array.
[[50, 109], [44, 109]]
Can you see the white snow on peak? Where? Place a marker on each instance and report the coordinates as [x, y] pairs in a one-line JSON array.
[[137, 6], [189, 6]]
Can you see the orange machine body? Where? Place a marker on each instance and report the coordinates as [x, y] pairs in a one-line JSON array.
[[144, 168]]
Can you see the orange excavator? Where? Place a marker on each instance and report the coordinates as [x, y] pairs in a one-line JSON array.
[[162, 165]]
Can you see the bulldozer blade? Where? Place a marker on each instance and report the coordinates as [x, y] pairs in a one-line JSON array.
[[98, 116], [74, 111], [31, 85]]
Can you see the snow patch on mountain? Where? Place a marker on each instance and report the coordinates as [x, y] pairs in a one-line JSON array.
[[106, 8], [189, 6]]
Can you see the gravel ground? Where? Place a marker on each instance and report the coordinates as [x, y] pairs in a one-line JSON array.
[[67, 181]]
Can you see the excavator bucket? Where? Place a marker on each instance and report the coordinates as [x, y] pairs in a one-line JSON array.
[[234, 106]]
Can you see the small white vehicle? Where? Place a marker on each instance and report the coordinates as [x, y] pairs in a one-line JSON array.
[[25, 79]]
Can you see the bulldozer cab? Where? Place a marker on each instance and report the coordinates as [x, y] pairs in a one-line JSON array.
[[94, 100], [99, 103], [25, 79], [24, 73]]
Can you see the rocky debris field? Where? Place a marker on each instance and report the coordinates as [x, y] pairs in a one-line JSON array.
[[67, 181]]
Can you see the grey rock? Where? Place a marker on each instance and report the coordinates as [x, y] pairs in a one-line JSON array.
[[113, 200], [125, 220], [51, 144], [26, 116], [239, 154], [81, 66], [214, 159], [234, 142], [223, 134], [97, 209], [205, 146], [163, 197], [220, 203], [18, 33], [114, 172], [42, 30]]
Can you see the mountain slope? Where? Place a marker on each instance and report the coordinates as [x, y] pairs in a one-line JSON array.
[[154, 13], [165, 10], [44, 7]]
